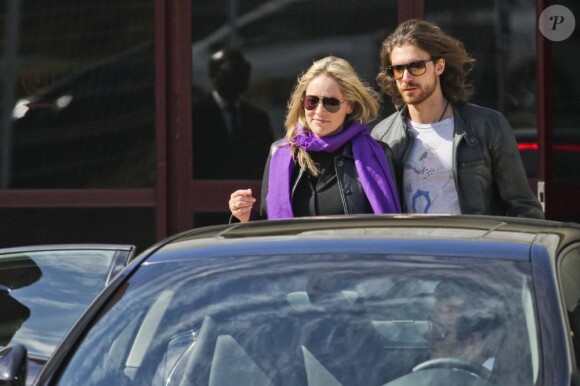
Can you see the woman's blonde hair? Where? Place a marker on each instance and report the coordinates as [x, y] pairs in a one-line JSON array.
[[364, 99]]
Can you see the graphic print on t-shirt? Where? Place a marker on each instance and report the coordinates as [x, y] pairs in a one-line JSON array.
[[428, 177]]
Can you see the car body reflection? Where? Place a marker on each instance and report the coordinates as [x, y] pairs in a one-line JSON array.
[[44, 289]]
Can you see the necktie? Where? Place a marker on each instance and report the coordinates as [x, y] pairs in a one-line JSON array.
[[234, 121]]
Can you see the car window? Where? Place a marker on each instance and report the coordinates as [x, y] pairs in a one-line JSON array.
[[311, 319], [42, 293], [570, 278], [570, 284]]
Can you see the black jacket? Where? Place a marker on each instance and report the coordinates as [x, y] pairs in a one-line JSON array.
[[216, 155], [487, 167], [351, 192]]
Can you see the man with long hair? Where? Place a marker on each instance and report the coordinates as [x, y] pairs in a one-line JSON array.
[[450, 156]]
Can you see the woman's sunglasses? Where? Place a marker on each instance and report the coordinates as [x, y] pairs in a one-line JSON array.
[[311, 102], [417, 68]]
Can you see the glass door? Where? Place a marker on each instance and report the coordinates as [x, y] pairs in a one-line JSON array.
[[559, 39], [278, 39]]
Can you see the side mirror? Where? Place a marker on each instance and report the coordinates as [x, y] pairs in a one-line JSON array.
[[13, 365]]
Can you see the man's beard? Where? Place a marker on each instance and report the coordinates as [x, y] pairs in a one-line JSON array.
[[424, 93]]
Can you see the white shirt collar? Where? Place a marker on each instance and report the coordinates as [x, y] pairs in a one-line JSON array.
[[489, 362], [221, 101]]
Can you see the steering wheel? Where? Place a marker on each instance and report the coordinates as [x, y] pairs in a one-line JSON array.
[[455, 363]]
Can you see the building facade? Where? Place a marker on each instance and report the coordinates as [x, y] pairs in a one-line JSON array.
[[98, 139]]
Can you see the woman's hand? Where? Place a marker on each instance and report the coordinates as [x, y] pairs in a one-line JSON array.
[[241, 202]]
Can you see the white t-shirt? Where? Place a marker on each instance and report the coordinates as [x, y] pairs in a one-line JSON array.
[[428, 182]]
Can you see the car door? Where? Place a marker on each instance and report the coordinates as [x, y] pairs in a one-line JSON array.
[[44, 289], [569, 281]]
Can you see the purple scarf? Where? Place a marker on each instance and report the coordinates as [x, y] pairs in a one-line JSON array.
[[369, 158]]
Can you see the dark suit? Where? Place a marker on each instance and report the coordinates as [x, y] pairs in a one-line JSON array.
[[217, 154]]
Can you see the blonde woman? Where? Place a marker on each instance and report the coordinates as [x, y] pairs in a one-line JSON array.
[[328, 163]]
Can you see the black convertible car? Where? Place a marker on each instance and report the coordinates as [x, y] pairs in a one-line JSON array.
[[366, 300]]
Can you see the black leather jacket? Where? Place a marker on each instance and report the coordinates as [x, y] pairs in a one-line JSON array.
[[487, 167], [351, 191]]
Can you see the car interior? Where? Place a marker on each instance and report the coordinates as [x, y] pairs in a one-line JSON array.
[[324, 338], [322, 328]]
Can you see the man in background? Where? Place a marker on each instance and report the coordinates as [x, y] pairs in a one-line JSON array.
[[231, 138]]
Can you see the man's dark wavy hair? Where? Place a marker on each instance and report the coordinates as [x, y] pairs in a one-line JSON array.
[[430, 38]]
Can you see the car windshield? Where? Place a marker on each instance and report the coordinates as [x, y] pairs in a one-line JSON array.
[[313, 319], [42, 293]]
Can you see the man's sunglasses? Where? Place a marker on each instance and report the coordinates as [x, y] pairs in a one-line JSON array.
[[415, 68], [311, 102]]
